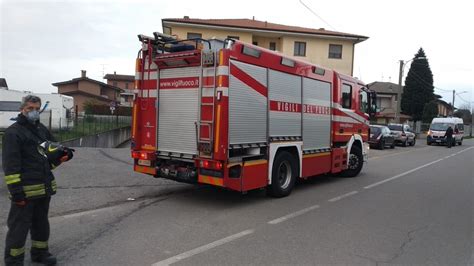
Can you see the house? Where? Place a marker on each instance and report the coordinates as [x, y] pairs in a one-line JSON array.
[[3, 84], [330, 49], [387, 102], [84, 89], [444, 109], [124, 82]]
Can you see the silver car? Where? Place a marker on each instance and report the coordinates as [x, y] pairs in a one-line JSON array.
[[403, 134]]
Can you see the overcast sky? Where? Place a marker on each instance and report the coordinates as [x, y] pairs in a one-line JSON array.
[[49, 41]]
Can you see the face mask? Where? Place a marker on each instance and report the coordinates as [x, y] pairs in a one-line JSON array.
[[33, 116]]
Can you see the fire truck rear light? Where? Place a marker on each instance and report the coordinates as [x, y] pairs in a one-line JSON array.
[[135, 154], [218, 165]]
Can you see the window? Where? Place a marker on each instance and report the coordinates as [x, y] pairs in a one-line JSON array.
[[192, 35], [167, 30], [300, 49], [251, 52], [335, 51], [287, 62], [460, 126], [363, 102], [126, 86], [346, 96], [379, 102], [9, 106], [234, 37], [272, 46]]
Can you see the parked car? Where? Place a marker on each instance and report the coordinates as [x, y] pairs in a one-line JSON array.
[[438, 129], [381, 137], [403, 134]]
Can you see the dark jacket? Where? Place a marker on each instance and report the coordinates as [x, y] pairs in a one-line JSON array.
[[449, 132], [27, 170]]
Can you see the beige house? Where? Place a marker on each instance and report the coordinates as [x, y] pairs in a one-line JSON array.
[[84, 89], [330, 49]]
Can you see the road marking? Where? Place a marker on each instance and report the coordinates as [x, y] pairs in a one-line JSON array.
[[293, 215], [202, 249], [343, 196], [396, 153], [413, 170]]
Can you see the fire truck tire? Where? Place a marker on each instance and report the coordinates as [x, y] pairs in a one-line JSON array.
[[284, 174], [356, 161]]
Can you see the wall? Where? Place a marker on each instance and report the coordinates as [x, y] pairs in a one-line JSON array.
[[89, 87], [182, 33], [317, 52], [109, 139], [67, 88], [265, 42]]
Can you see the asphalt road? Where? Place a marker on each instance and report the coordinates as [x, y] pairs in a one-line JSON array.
[[409, 206]]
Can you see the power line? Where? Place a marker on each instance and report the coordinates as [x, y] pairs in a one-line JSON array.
[[459, 96], [417, 77], [314, 13]]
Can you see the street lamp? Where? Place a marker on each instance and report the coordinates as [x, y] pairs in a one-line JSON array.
[[399, 92]]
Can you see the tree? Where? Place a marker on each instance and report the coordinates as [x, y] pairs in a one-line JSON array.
[[430, 111], [418, 89], [464, 113]]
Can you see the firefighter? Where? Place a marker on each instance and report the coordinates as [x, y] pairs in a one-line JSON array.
[[30, 183], [449, 136]]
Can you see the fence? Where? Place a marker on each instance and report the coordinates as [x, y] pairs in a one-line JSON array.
[[88, 125]]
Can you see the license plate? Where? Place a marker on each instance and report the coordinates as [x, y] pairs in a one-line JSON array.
[[144, 162], [438, 140]]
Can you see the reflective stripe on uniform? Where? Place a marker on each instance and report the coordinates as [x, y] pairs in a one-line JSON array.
[[34, 190], [12, 179], [54, 186], [39, 244], [15, 252]]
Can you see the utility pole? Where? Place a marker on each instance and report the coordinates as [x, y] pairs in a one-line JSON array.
[[399, 93], [454, 93]]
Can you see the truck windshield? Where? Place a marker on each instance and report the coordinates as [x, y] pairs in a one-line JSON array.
[[440, 126]]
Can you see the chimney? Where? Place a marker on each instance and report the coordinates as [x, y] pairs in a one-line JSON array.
[[186, 17], [115, 73], [253, 18], [83, 73], [265, 23]]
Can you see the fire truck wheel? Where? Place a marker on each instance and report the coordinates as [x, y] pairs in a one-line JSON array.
[[356, 160], [283, 175]]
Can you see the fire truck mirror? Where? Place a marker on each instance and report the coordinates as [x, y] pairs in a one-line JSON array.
[[373, 104]]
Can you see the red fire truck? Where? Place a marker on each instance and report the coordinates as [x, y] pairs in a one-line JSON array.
[[241, 117]]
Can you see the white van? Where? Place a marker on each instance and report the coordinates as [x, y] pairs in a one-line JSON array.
[[438, 129]]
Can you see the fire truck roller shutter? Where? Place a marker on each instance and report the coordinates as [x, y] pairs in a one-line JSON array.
[[284, 91], [316, 114], [247, 106], [178, 110]]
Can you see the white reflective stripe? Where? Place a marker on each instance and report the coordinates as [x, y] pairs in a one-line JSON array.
[[145, 93], [153, 93], [344, 119], [135, 91], [222, 71], [208, 72], [207, 92], [352, 114], [223, 90], [138, 75], [154, 75]]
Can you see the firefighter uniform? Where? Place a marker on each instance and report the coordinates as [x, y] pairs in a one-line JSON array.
[[29, 179]]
